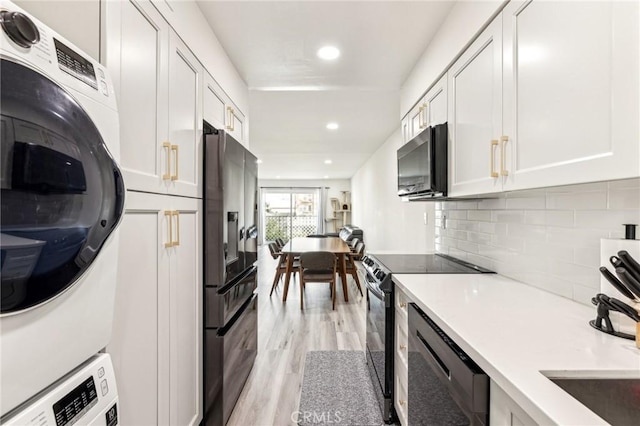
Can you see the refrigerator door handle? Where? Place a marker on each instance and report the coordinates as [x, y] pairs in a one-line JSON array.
[[241, 233]]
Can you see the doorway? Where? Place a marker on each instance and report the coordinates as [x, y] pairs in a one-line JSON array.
[[289, 212]]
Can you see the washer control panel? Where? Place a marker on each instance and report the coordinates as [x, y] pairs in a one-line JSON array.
[[85, 396]]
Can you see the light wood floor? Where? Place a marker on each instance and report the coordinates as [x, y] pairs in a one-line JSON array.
[[285, 335]]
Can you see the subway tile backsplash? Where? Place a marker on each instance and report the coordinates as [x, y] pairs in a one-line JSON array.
[[547, 238]]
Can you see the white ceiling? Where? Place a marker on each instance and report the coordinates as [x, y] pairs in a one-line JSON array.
[[293, 93]]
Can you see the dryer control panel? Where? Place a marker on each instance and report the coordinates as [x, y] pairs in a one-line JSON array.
[[88, 395]]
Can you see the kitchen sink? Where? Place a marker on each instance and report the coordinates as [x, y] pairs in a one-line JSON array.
[[616, 400]]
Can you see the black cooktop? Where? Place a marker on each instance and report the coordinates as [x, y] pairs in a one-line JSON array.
[[427, 264]]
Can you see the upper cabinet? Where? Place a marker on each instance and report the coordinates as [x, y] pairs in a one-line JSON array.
[[220, 112], [431, 110], [547, 95], [185, 120], [475, 114]]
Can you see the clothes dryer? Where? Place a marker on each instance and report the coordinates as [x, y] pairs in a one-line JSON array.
[[62, 197]]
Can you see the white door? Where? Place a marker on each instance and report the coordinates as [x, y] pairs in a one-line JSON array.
[[185, 120], [475, 115], [186, 312], [570, 92], [436, 102], [137, 46], [139, 344]]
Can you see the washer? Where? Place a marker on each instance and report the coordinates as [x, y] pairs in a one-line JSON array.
[[62, 197], [87, 396]]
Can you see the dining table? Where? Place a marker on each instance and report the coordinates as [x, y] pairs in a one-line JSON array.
[[299, 245]]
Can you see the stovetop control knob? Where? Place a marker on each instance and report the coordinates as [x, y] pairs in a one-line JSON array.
[[380, 275], [20, 28]]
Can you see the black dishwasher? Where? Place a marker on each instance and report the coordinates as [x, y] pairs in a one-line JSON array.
[[445, 386]]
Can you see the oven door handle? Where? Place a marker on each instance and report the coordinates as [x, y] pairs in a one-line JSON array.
[[371, 286]]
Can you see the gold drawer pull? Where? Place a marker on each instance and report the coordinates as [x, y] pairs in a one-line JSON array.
[[167, 175], [170, 214], [176, 213], [503, 142], [403, 347], [231, 123], [494, 144], [175, 149], [402, 402], [403, 305]]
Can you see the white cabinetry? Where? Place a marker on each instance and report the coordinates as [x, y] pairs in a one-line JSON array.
[[157, 84], [157, 331], [475, 114], [570, 91], [431, 110], [503, 411], [220, 111], [547, 95], [401, 360]]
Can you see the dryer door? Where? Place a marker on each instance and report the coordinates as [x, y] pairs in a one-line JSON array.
[[61, 191]]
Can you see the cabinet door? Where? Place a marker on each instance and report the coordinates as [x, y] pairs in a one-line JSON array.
[[185, 119], [235, 124], [436, 103], [405, 129], [140, 340], [185, 312], [417, 119], [136, 55], [570, 92], [475, 114], [214, 108]]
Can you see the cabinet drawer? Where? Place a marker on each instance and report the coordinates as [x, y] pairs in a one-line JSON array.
[[401, 303], [400, 400]]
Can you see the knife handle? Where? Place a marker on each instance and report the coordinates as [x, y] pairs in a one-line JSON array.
[[616, 282], [628, 280], [622, 307], [630, 263]]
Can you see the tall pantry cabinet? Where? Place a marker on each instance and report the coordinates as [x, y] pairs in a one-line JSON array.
[[156, 344]]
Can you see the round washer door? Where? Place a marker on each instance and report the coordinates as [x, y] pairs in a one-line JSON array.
[[61, 191]]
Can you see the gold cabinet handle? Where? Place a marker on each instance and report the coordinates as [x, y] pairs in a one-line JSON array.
[[402, 402], [420, 125], [175, 148], [403, 347], [167, 175], [403, 305], [503, 142], [169, 213], [231, 119], [494, 144], [176, 213], [425, 121]]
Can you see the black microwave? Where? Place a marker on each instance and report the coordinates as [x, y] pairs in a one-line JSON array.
[[422, 165]]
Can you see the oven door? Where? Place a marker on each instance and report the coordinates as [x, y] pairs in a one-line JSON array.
[[380, 323]]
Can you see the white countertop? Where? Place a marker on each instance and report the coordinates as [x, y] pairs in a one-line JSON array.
[[514, 331]]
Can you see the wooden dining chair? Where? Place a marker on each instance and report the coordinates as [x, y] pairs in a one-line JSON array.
[[320, 267], [351, 259], [281, 267]]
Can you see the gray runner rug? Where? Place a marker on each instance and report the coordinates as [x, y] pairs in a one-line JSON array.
[[337, 390]]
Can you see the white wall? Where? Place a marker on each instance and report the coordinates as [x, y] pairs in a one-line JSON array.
[[389, 224], [461, 25], [548, 238]]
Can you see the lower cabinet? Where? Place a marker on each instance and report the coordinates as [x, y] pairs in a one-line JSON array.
[[401, 360], [503, 411], [156, 345]]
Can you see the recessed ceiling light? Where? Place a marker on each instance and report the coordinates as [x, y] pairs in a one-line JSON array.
[[326, 177], [258, 161], [332, 126], [328, 53], [328, 161], [277, 177]]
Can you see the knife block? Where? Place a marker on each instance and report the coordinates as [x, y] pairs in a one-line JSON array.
[[610, 247]]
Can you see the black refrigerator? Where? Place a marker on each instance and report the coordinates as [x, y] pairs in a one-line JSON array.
[[230, 272]]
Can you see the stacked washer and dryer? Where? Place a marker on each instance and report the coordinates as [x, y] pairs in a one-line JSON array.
[[62, 197]]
